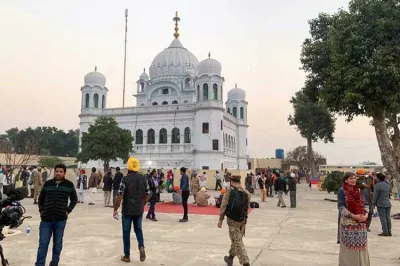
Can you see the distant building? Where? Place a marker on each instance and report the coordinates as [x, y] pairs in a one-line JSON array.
[[180, 118], [326, 169]]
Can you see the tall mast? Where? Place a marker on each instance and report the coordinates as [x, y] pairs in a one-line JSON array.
[[126, 33]]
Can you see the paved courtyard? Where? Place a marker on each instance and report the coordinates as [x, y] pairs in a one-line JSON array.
[[274, 237]]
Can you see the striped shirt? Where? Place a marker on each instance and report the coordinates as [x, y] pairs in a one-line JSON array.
[[53, 200]]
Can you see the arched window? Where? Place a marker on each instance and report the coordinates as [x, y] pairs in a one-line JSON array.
[[205, 91], [230, 142], [241, 113], [139, 137], [187, 138], [174, 102], [215, 92], [187, 83], [185, 101], [103, 102], [96, 100], [142, 104], [229, 111], [163, 136], [164, 103], [198, 92], [235, 112], [155, 103], [151, 136], [141, 86], [87, 99], [176, 136]]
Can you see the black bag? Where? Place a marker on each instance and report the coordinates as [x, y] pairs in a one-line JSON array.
[[254, 205], [237, 205]]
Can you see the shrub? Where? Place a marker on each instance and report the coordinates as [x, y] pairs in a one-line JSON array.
[[333, 181]]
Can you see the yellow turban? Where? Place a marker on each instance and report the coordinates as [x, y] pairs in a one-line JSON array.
[[133, 164]]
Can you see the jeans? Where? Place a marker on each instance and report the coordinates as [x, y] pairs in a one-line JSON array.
[[384, 216], [46, 230], [151, 213], [115, 195], [292, 194], [127, 221], [185, 197], [218, 184]]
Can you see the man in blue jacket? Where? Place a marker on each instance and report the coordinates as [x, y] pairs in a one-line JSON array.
[[185, 192]]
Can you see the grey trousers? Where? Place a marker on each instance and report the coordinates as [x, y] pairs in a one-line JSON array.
[[280, 197], [292, 199], [384, 216], [107, 198]]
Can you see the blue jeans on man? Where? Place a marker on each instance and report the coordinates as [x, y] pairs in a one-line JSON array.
[[151, 213], [46, 231], [127, 221]]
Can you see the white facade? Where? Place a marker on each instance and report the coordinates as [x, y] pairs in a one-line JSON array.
[[179, 118]]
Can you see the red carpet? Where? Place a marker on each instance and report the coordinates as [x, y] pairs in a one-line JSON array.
[[169, 207]]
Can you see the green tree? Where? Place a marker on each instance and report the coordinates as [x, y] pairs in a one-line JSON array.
[[50, 162], [353, 59], [313, 121], [105, 141], [299, 157]]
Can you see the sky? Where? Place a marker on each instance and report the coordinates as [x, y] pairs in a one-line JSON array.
[[47, 47]]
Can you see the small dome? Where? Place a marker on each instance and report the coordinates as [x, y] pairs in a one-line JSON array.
[[144, 75], [236, 94], [95, 78], [209, 66]]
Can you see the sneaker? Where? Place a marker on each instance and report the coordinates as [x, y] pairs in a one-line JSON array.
[[383, 234], [228, 260], [184, 220], [125, 259], [142, 254], [91, 203], [283, 207], [148, 217], [153, 220]]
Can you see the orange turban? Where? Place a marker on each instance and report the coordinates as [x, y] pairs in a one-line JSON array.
[[223, 191], [361, 172]]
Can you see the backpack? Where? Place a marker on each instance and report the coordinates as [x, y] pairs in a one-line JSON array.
[[237, 205]]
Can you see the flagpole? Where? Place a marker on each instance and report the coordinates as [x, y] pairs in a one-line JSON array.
[[126, 33]]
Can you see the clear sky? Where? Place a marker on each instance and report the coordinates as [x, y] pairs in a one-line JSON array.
[[47, 46]]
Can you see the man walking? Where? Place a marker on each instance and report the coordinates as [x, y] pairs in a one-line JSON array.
[[292, 183], [218, 181], [382, 202], [54, 211], [107, 187], [37, 185], [238, 200], [185, 192], [92, 186], [280, 187], [116, 183], [132, 193]]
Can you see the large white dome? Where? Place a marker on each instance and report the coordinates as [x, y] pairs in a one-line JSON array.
[[236, 94], [209, 66], [95, 78], [175, 60]]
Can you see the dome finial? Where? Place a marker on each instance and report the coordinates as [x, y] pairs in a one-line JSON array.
[[95, 68], [144, 70], [176, 19], [236, 85], [209, 54]]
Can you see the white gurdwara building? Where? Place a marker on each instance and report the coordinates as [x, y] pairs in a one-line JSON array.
[[179, 118]]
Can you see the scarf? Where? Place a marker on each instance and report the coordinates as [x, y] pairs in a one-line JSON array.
[[354, 199]]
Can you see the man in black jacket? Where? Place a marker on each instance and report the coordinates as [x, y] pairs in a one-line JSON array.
[[280, 187], [116, 183], [54, 210]]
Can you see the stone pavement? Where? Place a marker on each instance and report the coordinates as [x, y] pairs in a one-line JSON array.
[[274, 237]]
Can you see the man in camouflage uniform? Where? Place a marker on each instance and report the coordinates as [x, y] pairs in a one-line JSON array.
[[236, 229]]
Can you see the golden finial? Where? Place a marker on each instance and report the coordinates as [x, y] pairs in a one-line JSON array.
[[209, 54], [176, 19], [95, 68], [235, 85]]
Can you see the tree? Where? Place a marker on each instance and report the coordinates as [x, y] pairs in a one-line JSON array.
[[353, 61], [50, 162], [313, 121], [105, 141], [299, 157]]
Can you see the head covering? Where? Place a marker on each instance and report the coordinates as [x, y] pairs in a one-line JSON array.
[[203, 189], [361, 172], [133, 164], [292, 175], [83, 171], [176, 188], [223, 191], [235, 178]]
